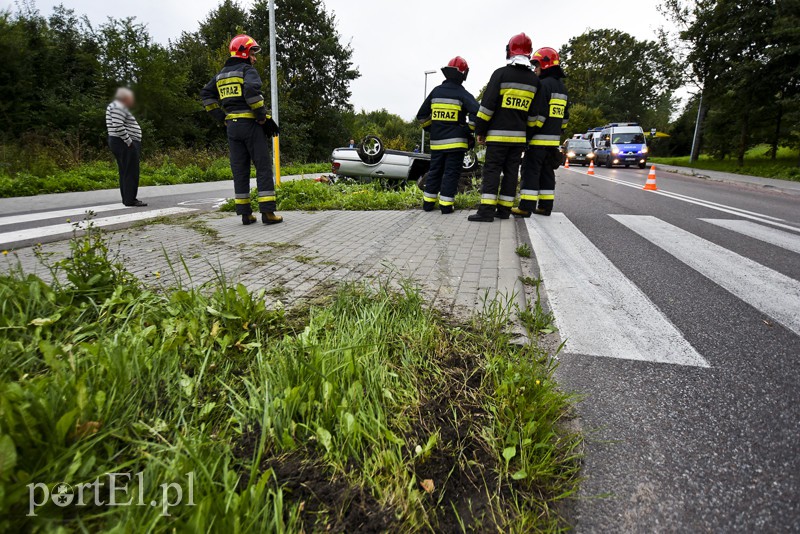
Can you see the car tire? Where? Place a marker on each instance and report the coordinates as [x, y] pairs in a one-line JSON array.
[[627, 166], [609, 163], [371, 150], [470, 161], [643, 165]]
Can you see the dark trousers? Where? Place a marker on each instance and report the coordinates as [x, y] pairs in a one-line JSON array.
[[538, 178], [248, 144], [498, 196], [443, 176], [128, 164]]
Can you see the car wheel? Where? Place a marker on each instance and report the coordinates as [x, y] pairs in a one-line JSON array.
[[643, 165], [371, 150], [627, 166], [609, 163], [470, 161]]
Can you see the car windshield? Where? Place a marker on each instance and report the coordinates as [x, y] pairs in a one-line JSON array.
[[578, 145], [634, 138]]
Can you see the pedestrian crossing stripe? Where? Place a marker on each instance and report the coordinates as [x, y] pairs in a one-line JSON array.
[[772, 236], [769, 291]]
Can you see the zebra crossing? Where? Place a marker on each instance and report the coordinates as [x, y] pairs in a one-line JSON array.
[[600, 312], [65, 221]]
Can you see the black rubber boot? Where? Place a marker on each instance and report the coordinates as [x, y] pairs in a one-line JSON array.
[[503, 213], [269, 217], [540, 211], [446, 210], [428, 206], [248, 219], [477, 217]]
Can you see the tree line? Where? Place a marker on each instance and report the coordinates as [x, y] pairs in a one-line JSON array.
[[59, 71]]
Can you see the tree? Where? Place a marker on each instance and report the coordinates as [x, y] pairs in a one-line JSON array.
[[582, 118], [626, 79]]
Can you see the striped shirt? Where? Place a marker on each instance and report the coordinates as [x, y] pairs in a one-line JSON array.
[[121, 123]]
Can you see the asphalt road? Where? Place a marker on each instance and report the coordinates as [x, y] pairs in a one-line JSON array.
[[682, 322]]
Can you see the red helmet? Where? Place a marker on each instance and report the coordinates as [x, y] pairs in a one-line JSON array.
[[456, 70], [243, 46], [519, 45], [546, 57]]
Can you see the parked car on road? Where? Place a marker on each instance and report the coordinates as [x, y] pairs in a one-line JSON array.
[[393, 168], [577, 151], [622, 144]]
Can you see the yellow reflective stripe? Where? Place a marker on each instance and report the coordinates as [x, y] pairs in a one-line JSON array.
[[266, 199], [242, 201], [212, 107], [426, 199], [540, 142], [245, 115], [471, 127], [504, 139], [547, 197], [259, 104], [228, 81], [484, 116], [426, 124], [505, 203], [518, 92], [446, 106], [445, 203], [489, 201], [529, 197], [558, 102], [449, 146]]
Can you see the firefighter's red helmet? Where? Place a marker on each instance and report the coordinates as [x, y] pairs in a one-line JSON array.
[[546, 57], [459, 63], [244, 46], [519, 45]]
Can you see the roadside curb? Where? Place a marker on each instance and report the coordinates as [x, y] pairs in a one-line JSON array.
[[508, 276], [768, 184]]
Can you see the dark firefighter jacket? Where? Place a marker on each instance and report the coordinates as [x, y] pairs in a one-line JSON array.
[[444, 115], [549, 113], [235, 93], [503, 115]]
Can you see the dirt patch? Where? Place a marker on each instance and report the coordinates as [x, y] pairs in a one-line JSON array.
[[462, 467], [328, 501]]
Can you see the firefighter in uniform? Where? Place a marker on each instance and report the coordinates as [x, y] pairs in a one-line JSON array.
[[234, 97], [502, 125], [444, 115], [549, 116]]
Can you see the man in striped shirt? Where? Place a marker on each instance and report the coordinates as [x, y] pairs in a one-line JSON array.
[[125, 141]]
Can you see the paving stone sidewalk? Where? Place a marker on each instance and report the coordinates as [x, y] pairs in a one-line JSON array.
[[456, 263]]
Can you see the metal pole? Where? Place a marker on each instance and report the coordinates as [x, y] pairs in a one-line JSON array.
[[273, 83], [696, 139], [424, 96]]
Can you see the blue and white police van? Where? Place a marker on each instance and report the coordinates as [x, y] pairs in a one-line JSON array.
[[621, 143]]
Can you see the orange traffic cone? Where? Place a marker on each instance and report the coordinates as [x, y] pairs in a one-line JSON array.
[[651, 180], [566, 163], [591, 168]]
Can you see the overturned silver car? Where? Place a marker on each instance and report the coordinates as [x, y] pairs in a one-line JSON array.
[[393, 168]]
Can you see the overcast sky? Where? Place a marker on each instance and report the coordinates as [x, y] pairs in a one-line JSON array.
[[396, 41]]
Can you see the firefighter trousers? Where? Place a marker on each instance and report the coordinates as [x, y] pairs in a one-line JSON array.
[[443, 177], [538, 178], [497, 197], [248, 144]]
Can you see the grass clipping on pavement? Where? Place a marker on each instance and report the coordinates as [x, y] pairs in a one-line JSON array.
[[364, 411], [308, 195]]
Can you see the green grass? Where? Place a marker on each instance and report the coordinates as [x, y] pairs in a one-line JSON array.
[[308, 195], [103, 175], [363, 407], [523, 251], [756, 163]]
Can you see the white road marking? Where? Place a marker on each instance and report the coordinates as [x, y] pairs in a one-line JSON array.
[[768, 291], [202, 201], [59, 214], [67, 228], [762, 233], [598, 310], [760, 217]]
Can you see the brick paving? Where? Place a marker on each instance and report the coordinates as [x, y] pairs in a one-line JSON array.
[[456, 263]]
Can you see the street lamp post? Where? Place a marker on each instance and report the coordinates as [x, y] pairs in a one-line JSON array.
[[425, 95]]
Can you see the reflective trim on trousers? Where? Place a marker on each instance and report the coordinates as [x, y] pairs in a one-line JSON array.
[[429, 197], [489, 199], [446, 201], [266, 199], [506, 203], [547, 194], [242, 201], [528, 194]]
